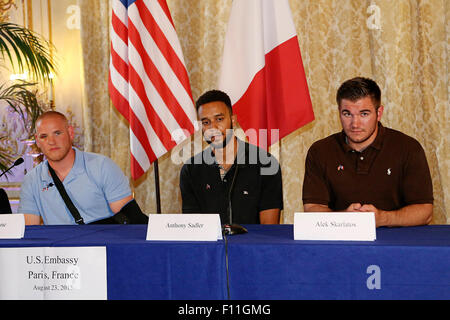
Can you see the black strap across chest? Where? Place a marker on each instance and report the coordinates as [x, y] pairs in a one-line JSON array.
[[62, 191]]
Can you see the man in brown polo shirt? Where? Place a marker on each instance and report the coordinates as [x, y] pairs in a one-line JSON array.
[[368, 167]]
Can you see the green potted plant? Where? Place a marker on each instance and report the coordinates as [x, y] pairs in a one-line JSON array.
[[26, 51]]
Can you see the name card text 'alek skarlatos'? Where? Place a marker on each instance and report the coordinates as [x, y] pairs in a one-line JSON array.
[[357, 226]]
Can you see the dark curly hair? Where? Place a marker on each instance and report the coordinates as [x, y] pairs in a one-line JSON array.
[[212, 96]]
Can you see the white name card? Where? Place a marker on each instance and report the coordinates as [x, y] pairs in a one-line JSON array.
[[358, 226], [184, 227], [12, 226], [53, 273]]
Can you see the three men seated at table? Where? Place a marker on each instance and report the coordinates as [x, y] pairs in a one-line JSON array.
[[364, 168]]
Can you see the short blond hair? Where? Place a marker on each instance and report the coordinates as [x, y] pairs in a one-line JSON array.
[[52, 113]]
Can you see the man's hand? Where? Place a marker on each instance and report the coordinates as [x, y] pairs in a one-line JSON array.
[[379, 214], [354, 207], [412, 215]]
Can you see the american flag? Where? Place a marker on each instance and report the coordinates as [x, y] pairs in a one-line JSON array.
[[148, 81]]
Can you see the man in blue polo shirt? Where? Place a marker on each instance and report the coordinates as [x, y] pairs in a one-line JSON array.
[[94, 183]]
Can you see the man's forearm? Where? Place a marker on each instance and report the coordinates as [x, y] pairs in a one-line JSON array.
[[412, 215], [32, 219], [269, 216], [314, 207]]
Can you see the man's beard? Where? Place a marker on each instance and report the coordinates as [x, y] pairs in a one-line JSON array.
[[223, 144]]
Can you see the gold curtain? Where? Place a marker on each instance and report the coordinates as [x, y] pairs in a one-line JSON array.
[[402, 44]]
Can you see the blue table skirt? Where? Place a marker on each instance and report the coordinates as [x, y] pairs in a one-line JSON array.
[[140, 269], [412, 263], [266, 263]]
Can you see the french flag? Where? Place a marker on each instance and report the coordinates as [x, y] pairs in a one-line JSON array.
[[262, 70]]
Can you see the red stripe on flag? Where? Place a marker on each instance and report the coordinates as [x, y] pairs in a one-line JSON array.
[[135, 168], [119, 28], [119, 101], [164, 46], [166, 10], [141, 135], [120, 65], [278, 96], [155, 121], [158, 82]]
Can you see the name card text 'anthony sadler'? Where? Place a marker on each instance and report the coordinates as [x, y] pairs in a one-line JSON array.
[[184, 227]]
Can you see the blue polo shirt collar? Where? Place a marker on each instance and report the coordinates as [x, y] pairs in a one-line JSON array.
[[76, 169]]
